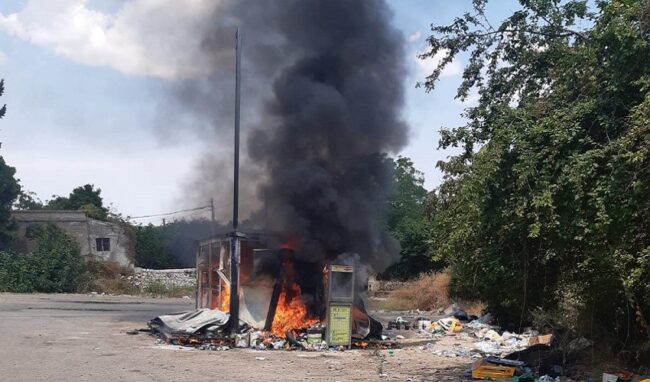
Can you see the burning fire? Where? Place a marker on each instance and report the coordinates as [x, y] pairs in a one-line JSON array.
[[224, 303], [291, 312]]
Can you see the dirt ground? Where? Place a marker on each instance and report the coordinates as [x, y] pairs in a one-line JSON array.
[[83, 338]]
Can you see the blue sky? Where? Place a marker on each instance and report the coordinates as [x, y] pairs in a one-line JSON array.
[[79, 114]]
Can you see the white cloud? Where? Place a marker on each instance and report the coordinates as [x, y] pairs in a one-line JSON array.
[[427, 66], [158, 38], [415, 36], [3, 57]]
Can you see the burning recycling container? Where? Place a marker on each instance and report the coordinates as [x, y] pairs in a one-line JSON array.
[[276, 291], [282, 294]]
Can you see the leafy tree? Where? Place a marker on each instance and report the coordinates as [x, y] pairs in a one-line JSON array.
[[406, 220], [57, 203], [86, 195], [549, 203], [150, 248], [9, 189], [28, 200], [85, 198], [172, 245], [408, 197]]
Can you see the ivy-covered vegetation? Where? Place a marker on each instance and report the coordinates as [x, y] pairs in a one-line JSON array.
[[55, 265], [548, 205]]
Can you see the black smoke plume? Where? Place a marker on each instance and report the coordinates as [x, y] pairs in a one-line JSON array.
[[323, 89]]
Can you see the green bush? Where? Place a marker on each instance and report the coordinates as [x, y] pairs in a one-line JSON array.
[[55, 266]]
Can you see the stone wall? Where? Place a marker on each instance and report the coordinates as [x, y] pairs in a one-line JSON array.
[[143, 277], [375, 285]]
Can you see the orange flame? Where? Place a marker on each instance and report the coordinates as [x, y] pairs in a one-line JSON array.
[[291, 312], [224, 303]]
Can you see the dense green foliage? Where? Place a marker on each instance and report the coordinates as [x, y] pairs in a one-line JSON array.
[[150, 249], [27, 200], [407, 221], [54, 266], [85, 198], [170, 246], [9, 190], [549, 204]]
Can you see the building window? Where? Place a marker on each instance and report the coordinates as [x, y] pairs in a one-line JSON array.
[[103, 244]]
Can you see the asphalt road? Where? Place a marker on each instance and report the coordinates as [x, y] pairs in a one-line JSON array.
[[83, 338]]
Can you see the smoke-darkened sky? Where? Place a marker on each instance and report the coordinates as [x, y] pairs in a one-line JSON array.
[[88, 87]]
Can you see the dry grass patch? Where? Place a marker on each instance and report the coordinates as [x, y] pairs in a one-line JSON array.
[[107, 277], [429, 291]]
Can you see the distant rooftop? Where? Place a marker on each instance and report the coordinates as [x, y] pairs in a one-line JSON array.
[[49, 216]]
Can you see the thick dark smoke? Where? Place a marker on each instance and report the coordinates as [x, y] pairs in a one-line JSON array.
[[334, 111], [323, 84]]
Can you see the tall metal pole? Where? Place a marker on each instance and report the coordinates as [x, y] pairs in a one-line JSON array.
[[235, 196], [234, 237]]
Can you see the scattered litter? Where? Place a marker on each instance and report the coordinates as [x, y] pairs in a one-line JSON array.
[[451, 353], [546, 378], [449, 325], [399, 323], [315, 335], [242, 340], [205, 329], [490, 334], [423, 323], [476, 324], [487, 347], [540, 340], [277, 345]]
